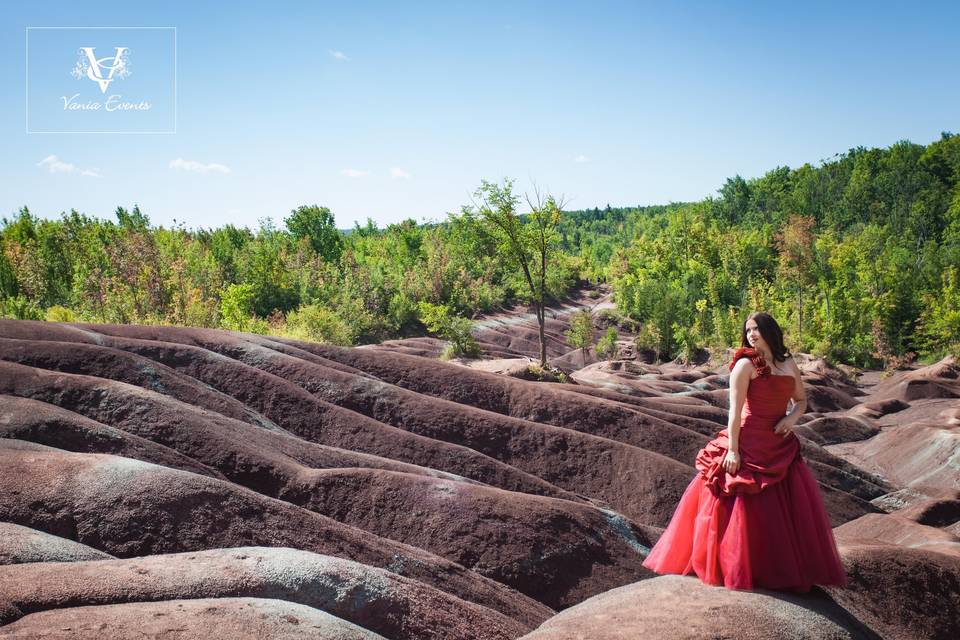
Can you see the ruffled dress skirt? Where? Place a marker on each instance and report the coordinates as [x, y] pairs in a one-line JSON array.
[[766, 526]]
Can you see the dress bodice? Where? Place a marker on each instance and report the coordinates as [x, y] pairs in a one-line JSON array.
[[765, 455], [767, 399]]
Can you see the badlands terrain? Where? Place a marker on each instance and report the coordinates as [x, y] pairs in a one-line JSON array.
[[188, 483]]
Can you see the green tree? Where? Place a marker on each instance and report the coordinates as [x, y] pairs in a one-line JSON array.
[[734, 201], [191, 277], [317, 225], [940, 319], [795, 243], [529, 245], [580, 335], [227, 244], [264, 266], [134, 219], [236, 307], [607, 347]]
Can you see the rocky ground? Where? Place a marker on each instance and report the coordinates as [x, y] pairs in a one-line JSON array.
[[188, 483]]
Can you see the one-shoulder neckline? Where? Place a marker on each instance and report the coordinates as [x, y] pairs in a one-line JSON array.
[[759, 363]]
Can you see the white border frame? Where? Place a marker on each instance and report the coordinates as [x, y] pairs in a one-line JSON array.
[[27, 84]]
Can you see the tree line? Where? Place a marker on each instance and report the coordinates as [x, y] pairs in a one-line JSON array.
[[858, 257]]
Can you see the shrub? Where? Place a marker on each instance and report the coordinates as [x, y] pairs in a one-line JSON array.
[[57, 313], [546, 374], [20, 308], [458, 331], [648, 338], [607, 347], [687, 338], [608, 317], [236, 308], [317, 323]]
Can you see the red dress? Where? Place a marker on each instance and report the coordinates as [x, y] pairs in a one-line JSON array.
[[764, 527]]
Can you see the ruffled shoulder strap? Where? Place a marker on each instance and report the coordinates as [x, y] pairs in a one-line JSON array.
[[755, 357]]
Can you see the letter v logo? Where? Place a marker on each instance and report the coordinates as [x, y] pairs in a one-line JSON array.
[[95, 68]]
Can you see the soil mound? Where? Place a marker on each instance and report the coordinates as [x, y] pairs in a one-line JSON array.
[[20, 545], [374, 599], [201, 619], [675, 607], [223, 483]]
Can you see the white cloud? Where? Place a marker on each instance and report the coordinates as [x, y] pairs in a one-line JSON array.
[[397, 172], [355, 173], [198, 167], [580, 159], [53, 164], [339, 55]]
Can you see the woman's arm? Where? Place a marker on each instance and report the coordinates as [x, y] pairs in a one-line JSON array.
[[739, 382], [786, 423]]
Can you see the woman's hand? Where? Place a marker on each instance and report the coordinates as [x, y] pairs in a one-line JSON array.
[[731, 462], [784, 427]]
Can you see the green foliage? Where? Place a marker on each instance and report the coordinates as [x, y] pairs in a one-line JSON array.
[[847, 255], [546, 374], [607, 346], [458, 331], [607, 317], [580, 335], [795, 267], [316, 323], [236, 307], [20, 308], [264, 264], [687, 338], [857, 257], [57, 313], [648, 338], [371, 279], [316, 224], [660, 278], [33, 256], [530, 243], [726, 328], [133, 220], [939, 330], [191, 278], [460, 266], [225, 245]]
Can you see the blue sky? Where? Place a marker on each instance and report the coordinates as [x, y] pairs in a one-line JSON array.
[[396, 110]]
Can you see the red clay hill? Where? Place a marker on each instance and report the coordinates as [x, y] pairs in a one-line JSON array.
[[176, 482]]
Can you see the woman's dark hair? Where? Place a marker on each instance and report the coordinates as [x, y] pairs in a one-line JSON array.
[[771, 332]]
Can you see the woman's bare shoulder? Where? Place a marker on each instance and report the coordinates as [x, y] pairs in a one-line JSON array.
[[743, 367]]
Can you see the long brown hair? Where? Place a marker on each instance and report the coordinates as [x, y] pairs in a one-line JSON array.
[[771, 332]]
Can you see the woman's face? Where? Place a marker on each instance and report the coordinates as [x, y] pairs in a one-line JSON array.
[[753, 334]]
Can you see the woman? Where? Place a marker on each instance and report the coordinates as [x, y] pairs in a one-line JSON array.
[[753, 517]]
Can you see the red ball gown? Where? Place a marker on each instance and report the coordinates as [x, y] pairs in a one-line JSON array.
[[764, 527]]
